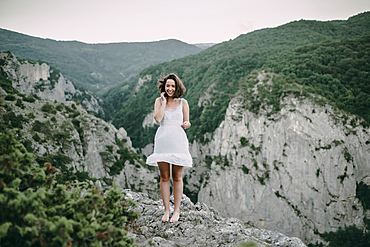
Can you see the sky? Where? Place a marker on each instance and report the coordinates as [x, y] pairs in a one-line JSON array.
[[191, 21]]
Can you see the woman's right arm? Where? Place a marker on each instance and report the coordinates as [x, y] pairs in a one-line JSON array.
[[159, 108]]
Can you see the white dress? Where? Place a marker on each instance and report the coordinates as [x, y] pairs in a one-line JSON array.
[[170, 142]]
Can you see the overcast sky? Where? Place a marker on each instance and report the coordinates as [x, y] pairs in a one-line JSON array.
[[192, 21]]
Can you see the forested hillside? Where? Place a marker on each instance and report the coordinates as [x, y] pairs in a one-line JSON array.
[[330, 59], [95, 67]]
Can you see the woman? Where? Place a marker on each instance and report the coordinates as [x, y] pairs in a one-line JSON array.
[[170, 143]]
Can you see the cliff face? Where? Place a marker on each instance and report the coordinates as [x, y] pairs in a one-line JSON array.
[[36, 79], [61, 132], [294, 172], [45, 82], [70, 138], [65, 135]]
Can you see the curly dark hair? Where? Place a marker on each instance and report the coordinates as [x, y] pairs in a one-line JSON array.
[[180, 88]]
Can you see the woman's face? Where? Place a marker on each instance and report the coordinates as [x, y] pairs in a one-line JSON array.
[[170, 87]]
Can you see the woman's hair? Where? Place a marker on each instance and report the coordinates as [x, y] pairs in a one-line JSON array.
[[180, 88]]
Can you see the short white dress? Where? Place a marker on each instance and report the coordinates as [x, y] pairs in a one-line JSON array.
[[170, 142]]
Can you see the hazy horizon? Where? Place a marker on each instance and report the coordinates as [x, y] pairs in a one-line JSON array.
[[191, 21]]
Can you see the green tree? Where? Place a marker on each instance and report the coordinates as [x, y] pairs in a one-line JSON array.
[[37, 211]]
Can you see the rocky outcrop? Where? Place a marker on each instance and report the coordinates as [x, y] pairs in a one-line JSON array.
[[36, 79], [149, 120], [65, 135], [295, 172], [91, 102], [141, 82], [94, 104], [39, 79], [198, 225]]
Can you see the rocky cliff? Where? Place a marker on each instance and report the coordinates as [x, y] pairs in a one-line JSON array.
[[71, 139], [77, 143], [39, 79], [63, 133], [295, 171]]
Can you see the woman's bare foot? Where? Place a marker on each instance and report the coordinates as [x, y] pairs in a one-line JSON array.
[[175, 217], [166, 216]]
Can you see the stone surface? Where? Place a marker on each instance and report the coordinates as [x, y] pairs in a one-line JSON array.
[[141, 82], [149, 120], [294, 172], [94, 149], [198, 225], [34, 78], [94, 104], [73, 137]]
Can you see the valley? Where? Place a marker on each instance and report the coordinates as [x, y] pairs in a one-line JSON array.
[[280, 134]]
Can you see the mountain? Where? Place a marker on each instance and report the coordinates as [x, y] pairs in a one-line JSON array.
[[204, 45], [61, 170], [95, 67], [60, 131], [43, 81], [280, 129], [280, 124], [212, 76], [299, 170]]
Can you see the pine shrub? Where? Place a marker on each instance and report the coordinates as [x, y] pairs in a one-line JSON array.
[[29, 98], [48, 108], [10, 97], [37, 211]]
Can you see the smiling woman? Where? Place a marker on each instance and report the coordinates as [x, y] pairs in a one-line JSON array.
[[173, 84], [171, 145]]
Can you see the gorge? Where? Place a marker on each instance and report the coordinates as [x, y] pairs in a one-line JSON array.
[[85, 148], [280, 133]]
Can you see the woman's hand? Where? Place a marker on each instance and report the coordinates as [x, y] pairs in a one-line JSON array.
[[163, 98], [186, 125]]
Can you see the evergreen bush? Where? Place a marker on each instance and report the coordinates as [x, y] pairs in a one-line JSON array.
[[60, 107], [20, 104], [68, 109], [42, 127], [243, 141], [48, 108], [36, 137], [5, 83], [10, 97], [15, 121], [29, 98], [37, 211]]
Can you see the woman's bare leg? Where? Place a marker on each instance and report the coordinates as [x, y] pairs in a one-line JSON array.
[[164, 169], [177, 191]]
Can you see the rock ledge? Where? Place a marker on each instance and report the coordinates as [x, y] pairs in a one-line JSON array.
[[198, 226]]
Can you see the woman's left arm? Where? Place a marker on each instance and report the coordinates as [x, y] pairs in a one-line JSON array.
[[185, 110]]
